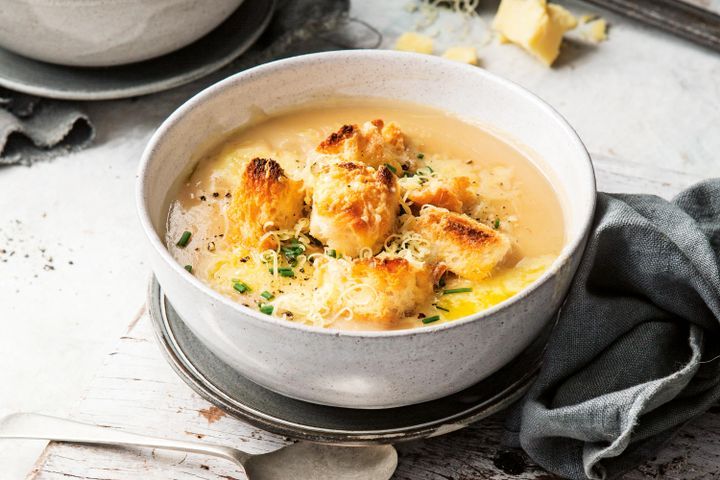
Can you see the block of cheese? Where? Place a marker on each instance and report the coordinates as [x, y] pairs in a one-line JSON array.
[[535, 25], [462, 54], [414, 42]]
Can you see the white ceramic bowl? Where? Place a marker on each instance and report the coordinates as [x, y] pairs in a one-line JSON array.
[[366, 369], [94, 33]]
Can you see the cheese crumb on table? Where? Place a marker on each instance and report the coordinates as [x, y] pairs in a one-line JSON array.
[[535, 25], [462, 54], [597, 30], [414, 42]]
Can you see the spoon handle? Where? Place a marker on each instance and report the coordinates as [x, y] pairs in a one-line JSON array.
[[42, 427]]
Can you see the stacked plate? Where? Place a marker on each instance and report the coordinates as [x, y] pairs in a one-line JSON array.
[[209, 53], [223, 386]]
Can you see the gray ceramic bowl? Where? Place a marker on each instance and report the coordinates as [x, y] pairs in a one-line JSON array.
[[366, 369], [94, 33]]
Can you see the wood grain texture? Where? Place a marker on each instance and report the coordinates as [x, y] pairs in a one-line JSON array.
[[137, 391], [616, 175]]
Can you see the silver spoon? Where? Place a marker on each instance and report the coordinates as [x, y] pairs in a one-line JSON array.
[[298, 461]]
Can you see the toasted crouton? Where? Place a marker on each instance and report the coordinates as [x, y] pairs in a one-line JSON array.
[[374, 289], [374, 143], [469, 248], [266, 199], [354, 206], [451, 194]]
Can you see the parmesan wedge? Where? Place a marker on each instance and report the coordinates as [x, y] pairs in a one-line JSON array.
[[535, 25]]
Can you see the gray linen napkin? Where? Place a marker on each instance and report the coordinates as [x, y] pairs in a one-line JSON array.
[[32, 129], [634, 354]]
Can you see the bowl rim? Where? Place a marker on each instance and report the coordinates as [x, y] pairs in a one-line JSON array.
[[565, 256]]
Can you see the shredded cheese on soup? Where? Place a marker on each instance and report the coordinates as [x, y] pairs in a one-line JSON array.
[[366, 217]]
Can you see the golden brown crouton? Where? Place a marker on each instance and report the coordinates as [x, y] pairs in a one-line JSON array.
[[451, 194], [469, 248], [374, 143], [374, 289], [354, 206], [266, 199]]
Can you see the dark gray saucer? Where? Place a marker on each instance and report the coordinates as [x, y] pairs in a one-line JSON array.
[[206, 55], [219, 384]]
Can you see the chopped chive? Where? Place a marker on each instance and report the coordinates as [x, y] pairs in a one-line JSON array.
[[241, 287], [432, 319], [292, 251], [291, 254], [267, 309], [283, 271], [496, 223], [391, 168], [430, 168], [184, 239], [457, 290], [332, 253], [188, 268], [267, 295], [420, 155], [442, 308]]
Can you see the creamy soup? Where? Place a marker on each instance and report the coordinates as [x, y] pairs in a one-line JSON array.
[[365, 215]]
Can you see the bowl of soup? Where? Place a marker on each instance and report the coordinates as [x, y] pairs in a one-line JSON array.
[[103, 33], [366, 229]]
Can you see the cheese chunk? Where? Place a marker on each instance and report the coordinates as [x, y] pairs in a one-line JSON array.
[[414, 42], [535, 25], [597, 30], [354, 207], [462, 54]]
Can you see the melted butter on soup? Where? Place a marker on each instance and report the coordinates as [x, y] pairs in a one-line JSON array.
[[366, 216]]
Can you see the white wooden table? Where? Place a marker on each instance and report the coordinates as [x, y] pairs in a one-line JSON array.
[[646, 104], [137, 391]]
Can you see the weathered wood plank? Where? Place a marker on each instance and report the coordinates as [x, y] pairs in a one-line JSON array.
[[137, 391], [621, 176], [694, 453]]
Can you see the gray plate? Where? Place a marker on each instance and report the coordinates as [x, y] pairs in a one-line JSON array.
[[219, 384], [208, 54]]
